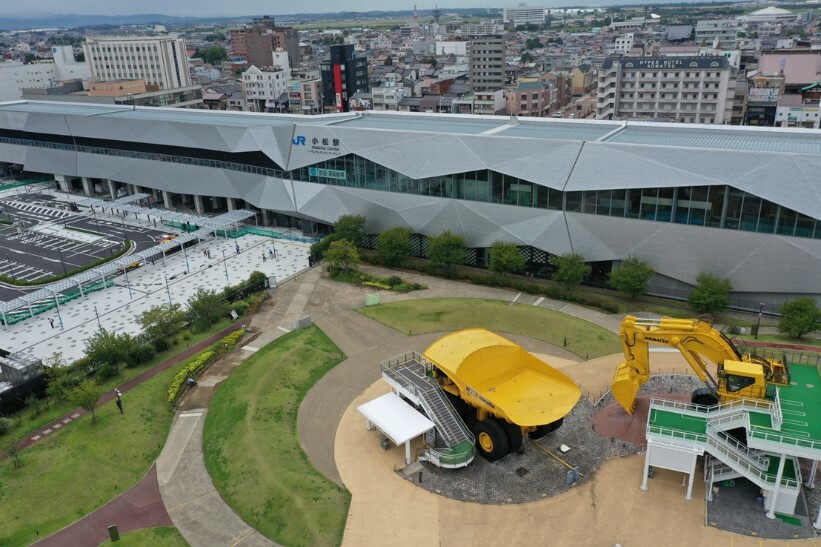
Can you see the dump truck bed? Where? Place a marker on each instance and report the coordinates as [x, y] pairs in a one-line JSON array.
[[504, 377]]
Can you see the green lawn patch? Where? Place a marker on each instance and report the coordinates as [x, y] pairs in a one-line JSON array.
[[448, 314], [784, 339], [252, 450], [80, 467], [43, 412], [162, 536]]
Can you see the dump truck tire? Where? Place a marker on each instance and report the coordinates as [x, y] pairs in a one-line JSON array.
[[491, 439], [514, 435], [703, 396], [543, 430], [463, 408]]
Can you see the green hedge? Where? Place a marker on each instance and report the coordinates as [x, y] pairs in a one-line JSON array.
[[195, 367]]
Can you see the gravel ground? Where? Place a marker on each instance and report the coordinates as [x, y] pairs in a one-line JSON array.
[[532, 473], [735, 509], [529, 474]]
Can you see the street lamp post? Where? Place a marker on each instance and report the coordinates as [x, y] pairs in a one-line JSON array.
[[98, 320], [167, 288], [62, 262], [225, 264], [760, 310], [11, 269]]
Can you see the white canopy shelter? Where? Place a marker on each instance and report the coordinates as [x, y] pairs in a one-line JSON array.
[[398, 420]]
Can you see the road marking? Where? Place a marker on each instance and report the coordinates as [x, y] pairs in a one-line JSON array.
[[243, 538], [795, 422], [283, 329], [788, 402], [250, 348], [793, 412], [539, 301], [190, 414], [516, 298], [210, 493]]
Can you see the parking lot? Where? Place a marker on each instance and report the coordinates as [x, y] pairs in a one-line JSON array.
[[40, 238]]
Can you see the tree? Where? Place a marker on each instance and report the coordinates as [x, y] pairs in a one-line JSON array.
[[526, 58], [160, 322], [213, 54], [86, 396], [110, 348], [446, 250], [7, 427], [711, 293], [632, 276], [570, 270], [505, 258], [533, 43], [799, 317], [393, 245], [206, 306], [342, 255], [352, 228], [60, 377]]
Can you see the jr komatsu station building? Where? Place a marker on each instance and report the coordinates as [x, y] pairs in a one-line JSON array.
[[739, 202]]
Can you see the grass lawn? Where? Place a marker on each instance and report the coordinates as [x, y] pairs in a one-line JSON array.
[[32, 418], [79, 468], [252, 450], [163, 536], [784, 339], [448, 314]]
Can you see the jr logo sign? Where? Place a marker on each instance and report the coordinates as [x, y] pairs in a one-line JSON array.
[[299, 140]]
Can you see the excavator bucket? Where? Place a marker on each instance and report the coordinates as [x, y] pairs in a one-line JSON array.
[[626, 383]]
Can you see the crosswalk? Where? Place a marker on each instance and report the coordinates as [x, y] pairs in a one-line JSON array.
[[42, 211], [22, 272]]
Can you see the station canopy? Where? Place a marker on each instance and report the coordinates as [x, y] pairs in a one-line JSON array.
[[399, 421]]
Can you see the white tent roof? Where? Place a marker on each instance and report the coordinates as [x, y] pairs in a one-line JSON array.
[[395, 418]]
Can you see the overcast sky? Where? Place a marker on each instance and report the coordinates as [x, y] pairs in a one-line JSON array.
[[214, 7]]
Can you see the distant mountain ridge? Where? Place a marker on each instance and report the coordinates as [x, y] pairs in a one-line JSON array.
[[23, 21]]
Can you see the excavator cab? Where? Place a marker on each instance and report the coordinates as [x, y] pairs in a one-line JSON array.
[[741, 380]]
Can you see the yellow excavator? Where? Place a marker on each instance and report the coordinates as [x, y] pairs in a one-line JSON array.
[[705, 349]]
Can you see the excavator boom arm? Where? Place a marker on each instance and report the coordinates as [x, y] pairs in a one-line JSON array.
[[697, 341]]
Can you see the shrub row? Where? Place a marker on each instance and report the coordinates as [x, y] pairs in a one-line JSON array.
[[193, 369], [392, 283], [189, 371]]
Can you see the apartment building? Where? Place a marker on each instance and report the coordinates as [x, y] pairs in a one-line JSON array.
[[486, 63], [723, 30], [523, 15], [530, 98], [263, 89], [160, 61], [16, 76], [482, 29], [692, 90]]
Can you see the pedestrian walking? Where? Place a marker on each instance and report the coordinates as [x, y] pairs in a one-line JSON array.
[[51, 321], [119, 400], [209, 253], [263, 256], [271, 252], [237, 246]]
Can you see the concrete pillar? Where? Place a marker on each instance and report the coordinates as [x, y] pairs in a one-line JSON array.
[[166, 199], [64, 182], [408, 460], [132, 189], [112, 189], [198, 205], [88, 188], [690, 482], [646, 468], [774, 497], [266, 217], [817, 523], [232, 206], [811, 480]]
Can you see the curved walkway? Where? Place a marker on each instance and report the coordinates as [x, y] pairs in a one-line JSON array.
[[138, 508]]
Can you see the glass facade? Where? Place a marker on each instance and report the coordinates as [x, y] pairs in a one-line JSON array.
[[713, 206]]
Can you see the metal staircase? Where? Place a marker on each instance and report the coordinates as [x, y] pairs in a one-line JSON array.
[[407, 374]]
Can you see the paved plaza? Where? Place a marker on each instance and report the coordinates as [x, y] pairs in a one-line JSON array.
[[174, 279]]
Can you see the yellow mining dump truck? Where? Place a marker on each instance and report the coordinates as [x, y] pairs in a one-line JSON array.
[[501, 391]]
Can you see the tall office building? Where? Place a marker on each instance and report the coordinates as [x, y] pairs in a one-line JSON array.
[[524, 15], [486, 63], [680, 89], [344, 75], [160, 61], [255, 43]]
